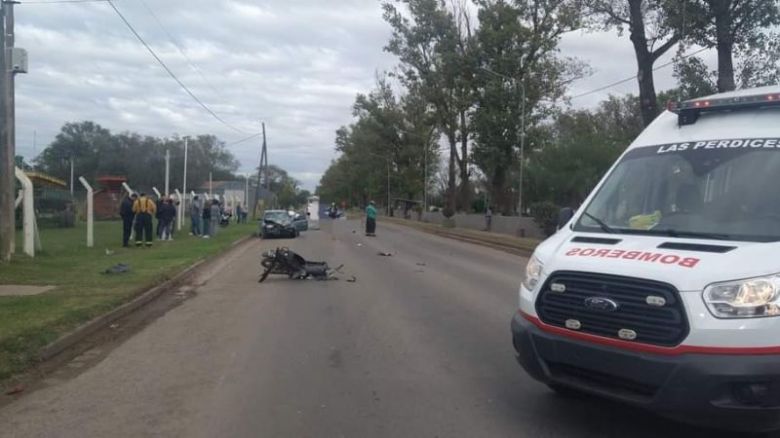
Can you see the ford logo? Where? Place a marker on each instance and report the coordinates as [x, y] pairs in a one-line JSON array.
[[602, 304]]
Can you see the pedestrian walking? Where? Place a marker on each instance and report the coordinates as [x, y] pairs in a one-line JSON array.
[[127, 215], [488, 218], [216, 215], [167, 214], [206, 216], [196, 210], [371, 219], [144, 208]]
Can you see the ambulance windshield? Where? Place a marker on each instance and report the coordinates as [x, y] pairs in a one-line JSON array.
[[725, 189]]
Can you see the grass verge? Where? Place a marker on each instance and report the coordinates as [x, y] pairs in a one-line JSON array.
[[82, 291]]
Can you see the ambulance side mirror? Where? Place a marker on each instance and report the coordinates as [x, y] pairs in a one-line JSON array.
[[564, 216]]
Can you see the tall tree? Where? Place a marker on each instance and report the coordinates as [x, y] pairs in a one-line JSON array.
[[517, 47], [651, 32], [434, 41], [731, 26]]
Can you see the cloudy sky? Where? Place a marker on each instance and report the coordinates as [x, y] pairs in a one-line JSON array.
[[295, 64]]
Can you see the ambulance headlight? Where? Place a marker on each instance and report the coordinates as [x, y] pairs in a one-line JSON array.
[[533, 272], [751, 298]]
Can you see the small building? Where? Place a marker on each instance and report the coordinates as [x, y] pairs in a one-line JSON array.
[[108, 197], [237, 189]]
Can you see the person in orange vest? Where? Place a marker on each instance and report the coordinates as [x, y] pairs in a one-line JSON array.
[[144, 208]]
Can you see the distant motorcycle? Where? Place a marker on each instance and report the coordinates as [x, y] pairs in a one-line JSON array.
[[283, 261]]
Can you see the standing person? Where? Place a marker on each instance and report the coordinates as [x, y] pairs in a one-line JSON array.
[[488, 218], [158, 205], [196, 210], [206, 216], [127, 215], [144, 208], [167, 214], [371, 219], [238, 213], [216, 214]]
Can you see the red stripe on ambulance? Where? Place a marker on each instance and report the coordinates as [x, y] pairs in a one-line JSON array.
[[642, 256]]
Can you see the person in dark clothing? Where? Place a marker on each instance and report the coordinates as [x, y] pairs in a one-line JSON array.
[[167, 214], [206, 221], [158, 204], [144, 208], [127, 215]]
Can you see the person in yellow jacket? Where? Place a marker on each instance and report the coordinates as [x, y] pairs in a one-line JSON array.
[[144, 209]]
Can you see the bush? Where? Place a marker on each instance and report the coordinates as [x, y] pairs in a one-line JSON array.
[[448, 212], [545, 215]]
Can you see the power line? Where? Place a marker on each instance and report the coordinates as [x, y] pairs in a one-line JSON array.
[[631, 78], [244, 139], [168, 70], [192, 65]]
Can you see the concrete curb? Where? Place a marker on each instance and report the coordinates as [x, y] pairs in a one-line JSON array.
[[502, 245], [69, 339]]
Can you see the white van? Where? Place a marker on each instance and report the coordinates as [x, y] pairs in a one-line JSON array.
[[663, 289]]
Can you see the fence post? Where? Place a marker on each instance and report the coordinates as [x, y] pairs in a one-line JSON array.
[[90, 213], [28, 209]]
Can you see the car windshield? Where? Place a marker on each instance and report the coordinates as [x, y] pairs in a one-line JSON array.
[[277, 216], [713, 190]]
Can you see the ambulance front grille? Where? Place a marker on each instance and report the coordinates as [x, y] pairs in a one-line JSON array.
[[614, 307]]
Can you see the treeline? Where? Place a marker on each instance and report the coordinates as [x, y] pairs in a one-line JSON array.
[[471, 87], [95, 151]]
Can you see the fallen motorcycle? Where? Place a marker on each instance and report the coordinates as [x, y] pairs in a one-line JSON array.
[[283, 261]]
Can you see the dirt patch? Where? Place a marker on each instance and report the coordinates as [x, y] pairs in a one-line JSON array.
[[19, 290]]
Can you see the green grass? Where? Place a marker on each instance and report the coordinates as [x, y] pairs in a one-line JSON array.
[[82, 291]]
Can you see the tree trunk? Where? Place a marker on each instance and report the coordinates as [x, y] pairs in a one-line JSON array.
[[465, 187], [648, 100], [451, 184], [725, 45]]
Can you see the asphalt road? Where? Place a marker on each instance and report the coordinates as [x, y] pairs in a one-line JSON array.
[[419, 346]]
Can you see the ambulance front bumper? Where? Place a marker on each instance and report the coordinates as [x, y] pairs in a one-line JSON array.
[[738, 392]]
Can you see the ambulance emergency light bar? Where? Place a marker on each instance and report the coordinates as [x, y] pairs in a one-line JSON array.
[[688, 111]]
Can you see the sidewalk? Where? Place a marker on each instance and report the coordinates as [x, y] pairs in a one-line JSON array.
[[514, 245]]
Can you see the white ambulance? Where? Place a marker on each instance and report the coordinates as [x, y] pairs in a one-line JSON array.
[[663, 289], [313, 212]]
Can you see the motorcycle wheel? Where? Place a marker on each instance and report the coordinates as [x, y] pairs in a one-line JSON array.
[[267, 271]]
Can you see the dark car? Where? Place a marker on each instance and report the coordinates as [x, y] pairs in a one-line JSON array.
[[300, 221], [277, 223]]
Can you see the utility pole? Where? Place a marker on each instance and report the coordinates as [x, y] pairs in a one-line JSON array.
[[262, 168], [388, 186], [7, 159], [211, 191], [183, 206], [71, 176], [425, 181], [167, 172]]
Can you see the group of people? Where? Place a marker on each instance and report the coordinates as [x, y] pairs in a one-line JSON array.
[[138, 211], [205, 217]]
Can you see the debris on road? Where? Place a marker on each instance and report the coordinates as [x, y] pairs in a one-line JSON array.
[[359, 244], [114, 326], [421, 264], [284, 261], [109, 252], [18, 389], [352, 279], [119, 268], [385, 254]]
